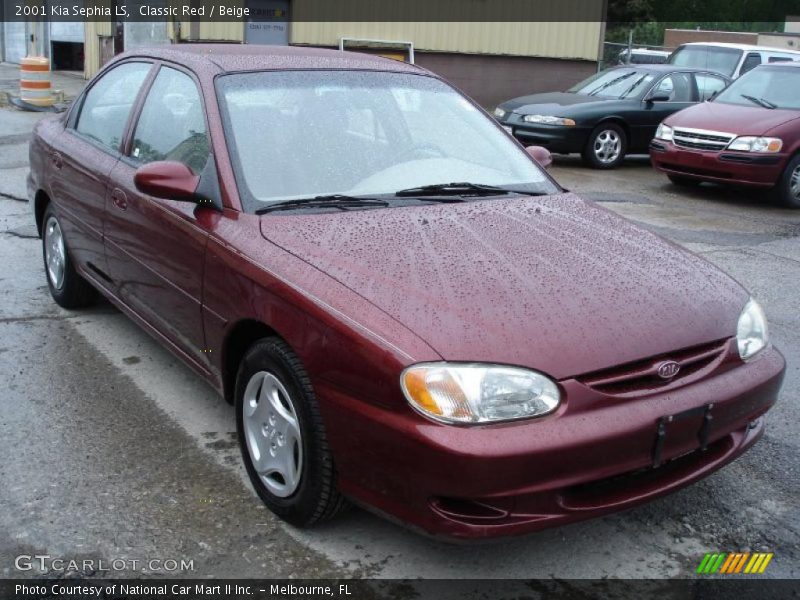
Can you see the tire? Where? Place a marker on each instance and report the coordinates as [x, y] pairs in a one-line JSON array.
[[606, 146], [787, 190], [283, 442], [67, 287], [686, 182]]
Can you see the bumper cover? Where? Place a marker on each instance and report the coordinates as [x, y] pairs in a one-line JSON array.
[[594, 456], [553, 137], [739, 168]]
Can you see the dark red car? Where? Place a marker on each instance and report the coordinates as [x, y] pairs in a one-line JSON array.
[[405, 309], [748, 135]]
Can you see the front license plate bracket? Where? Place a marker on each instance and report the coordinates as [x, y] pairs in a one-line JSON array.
[[702, 434]]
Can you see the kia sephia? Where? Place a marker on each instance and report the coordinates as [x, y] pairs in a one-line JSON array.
[[404, 308]]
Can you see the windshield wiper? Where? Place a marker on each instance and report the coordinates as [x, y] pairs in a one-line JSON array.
[[459, 189], [610, 83], [339, 201], [760, 101]]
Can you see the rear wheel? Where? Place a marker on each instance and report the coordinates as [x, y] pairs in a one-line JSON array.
[[67, 287], [282, 438], [606, 146], [684, 181], [787, 191]]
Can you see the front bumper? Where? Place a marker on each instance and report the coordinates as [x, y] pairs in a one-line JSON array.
[[738, 168], [592, 457], [556, 138]]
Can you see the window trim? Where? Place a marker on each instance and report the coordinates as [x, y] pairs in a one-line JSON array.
[[133, 123], [77, 109]]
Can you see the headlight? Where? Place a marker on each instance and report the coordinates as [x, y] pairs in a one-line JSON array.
[[478, 393], [752, 335], [548, 120], [664, 132], [499, 113], [751, 143]]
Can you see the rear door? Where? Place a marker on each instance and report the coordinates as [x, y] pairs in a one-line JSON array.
[[156, 247], [679, 90], [709, 85], [83, 157]]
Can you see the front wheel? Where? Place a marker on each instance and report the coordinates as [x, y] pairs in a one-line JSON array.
[[787, 190], [67, 287], [606, 147], [282, 437]]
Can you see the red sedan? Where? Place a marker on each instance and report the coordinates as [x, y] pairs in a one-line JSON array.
[[403, 306]]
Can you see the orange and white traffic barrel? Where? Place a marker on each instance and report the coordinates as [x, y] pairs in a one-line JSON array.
[[34, 81]]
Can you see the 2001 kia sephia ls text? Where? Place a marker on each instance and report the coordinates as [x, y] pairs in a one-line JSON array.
[[403, 306]]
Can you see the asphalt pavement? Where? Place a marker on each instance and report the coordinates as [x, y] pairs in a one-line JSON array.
[[113, 449]]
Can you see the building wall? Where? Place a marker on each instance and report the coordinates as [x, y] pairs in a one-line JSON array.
[[792, 25], [784, 41], [676, 37], [491, 80], [573, 40]]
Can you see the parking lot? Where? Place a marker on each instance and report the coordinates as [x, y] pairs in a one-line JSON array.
[[114, 449]]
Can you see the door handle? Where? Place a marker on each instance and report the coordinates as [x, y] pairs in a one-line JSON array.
[[119, 199], [57, 161]]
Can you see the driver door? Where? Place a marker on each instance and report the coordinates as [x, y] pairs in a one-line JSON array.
[[155, 248]]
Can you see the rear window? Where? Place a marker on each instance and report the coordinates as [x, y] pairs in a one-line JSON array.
[[712, 58]]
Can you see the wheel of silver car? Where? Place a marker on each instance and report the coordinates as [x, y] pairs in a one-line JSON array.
[[67, 287], [273, 434], [606, 146], [787, 190], [282, 437], [55, 255]]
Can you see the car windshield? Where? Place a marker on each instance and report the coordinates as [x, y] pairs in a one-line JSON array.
[[615, 83], [713, 58], [302, 134], [769, 87]]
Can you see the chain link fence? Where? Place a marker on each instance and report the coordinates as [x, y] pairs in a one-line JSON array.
[[615, 54]]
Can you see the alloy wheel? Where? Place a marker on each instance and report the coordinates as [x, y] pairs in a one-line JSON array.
[[794, 183], [607, 146]]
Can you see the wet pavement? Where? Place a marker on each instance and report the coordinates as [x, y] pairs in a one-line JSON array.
[[113, 449]]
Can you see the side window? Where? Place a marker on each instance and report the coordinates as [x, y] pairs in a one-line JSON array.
[[172, 125], [752, 60], [709, 85], [677, 86], [108, 103]]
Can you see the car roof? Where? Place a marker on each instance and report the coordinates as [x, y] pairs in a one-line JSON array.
[[664, 68], [253, 57], [741, 47]]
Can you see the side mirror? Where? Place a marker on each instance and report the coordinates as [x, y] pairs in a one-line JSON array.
[[167, 179], [662, 97], [541, 155]]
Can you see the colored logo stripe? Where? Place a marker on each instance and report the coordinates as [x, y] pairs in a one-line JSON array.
[[734, 562]]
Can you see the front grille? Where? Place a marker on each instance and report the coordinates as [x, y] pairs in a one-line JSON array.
[[641, 377], [700, 139]]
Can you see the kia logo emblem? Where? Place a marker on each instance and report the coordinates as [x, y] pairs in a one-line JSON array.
[[668, 370]]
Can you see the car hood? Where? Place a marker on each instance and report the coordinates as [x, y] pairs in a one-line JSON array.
[[553, 283], [731, 118], [549, 104]]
